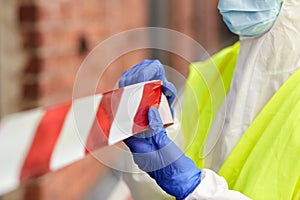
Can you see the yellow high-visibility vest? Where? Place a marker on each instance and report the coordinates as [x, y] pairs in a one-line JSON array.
[[206, 87], [265, 163]]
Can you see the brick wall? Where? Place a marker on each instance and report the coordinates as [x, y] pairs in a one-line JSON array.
[[58, 34], [45, 43]]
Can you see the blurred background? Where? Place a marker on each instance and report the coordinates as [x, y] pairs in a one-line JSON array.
[[43, 43]]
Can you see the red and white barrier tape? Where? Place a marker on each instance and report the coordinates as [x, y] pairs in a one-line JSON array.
[[35, 142]]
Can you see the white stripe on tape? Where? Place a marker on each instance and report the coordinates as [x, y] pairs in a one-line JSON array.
[[123, 121], [164, 111], [18, 128], [71, 142]]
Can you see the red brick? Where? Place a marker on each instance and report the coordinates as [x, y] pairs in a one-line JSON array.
[[30, 90], [83, 9], [49, 10], [31, 38], [28, 13], [64, 63], [33, 65], [59, 37]]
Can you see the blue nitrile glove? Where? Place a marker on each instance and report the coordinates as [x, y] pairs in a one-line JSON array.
[[157, 155], [149, 70]]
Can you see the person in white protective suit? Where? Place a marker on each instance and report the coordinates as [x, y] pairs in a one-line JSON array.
[[257, 126]]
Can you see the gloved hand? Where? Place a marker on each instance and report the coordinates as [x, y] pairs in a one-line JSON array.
[[152, 150], [146, 71], [157, 155]]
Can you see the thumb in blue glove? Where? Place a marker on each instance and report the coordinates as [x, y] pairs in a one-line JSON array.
[[157, 155]]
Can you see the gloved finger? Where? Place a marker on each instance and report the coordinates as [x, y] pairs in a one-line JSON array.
[[155, 122], [144, 74], [160, 137], [169, 91], [137, 67], [139, 145], [144, 134], [129, 76], [145, 71], [172, 112]]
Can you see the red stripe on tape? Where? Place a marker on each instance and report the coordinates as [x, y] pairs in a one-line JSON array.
[[38, 158], [107, 110], [151, 97]]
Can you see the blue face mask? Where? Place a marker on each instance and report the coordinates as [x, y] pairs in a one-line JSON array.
[[249, 17]]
